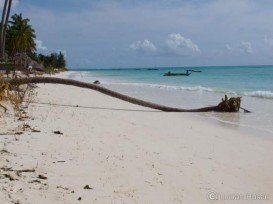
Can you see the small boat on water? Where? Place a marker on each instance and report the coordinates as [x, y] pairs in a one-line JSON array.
[[191, 70], [152, 69], [177, 74]]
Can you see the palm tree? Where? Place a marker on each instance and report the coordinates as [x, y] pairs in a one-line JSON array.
[[3, 26], [20, 36], [227, 105]]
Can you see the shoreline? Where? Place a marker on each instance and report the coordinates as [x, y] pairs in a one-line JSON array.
[[126, 154], [258, 122]]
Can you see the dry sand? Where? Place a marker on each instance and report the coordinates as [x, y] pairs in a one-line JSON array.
[[126, 154]]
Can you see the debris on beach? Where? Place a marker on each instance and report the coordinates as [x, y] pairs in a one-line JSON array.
[[4, 151], [34, 130], [28, 127], [58, 132], [64, 188], [26, 171], [35, 181], [87, 187], [18, 133], [42, 177], [96, 82], [10, 176]]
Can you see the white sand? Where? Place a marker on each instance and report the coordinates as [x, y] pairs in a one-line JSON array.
[[127, 154]]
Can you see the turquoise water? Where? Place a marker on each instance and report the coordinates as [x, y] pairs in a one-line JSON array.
[[253, 83]]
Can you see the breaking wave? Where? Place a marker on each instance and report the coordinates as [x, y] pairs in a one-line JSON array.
[[160, 86], [198, 88], [260, 94], [85, 76]]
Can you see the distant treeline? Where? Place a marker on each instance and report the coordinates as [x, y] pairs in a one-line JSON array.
[[56, 60]]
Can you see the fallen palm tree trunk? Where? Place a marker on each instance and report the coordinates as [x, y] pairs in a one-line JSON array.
[[227, 105]]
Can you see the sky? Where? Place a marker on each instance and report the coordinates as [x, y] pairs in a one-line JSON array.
[[153, 33]]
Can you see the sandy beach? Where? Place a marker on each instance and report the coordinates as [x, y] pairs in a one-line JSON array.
[[109, 151]]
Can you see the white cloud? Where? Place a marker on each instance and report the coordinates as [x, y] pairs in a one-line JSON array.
[[180, 45], [228, 47], [234, 21], [268, 41], [40, 46], [145, 46], [175, 45], [247, 48]]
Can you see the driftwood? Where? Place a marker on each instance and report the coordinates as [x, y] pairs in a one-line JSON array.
[[5, 109], [227, 105]]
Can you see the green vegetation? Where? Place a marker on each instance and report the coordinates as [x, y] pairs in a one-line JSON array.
[[56, 60], [18, 52], [20, 36], [18, 41]]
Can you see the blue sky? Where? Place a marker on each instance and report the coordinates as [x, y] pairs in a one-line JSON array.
[[149, 33]]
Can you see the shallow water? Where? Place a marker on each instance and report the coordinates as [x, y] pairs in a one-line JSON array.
[[206, 88]]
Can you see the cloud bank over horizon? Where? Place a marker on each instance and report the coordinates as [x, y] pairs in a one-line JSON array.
[[123, 33], [175, 45]]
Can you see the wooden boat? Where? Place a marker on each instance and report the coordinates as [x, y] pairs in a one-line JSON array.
[[152, 69], [177, 74], [191, 70]]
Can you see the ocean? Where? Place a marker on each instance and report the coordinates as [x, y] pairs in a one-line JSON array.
[[206, 88]]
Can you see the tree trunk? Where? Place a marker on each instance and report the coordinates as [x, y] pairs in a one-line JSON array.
[[5, 28], [108, 92], [2, 29]]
